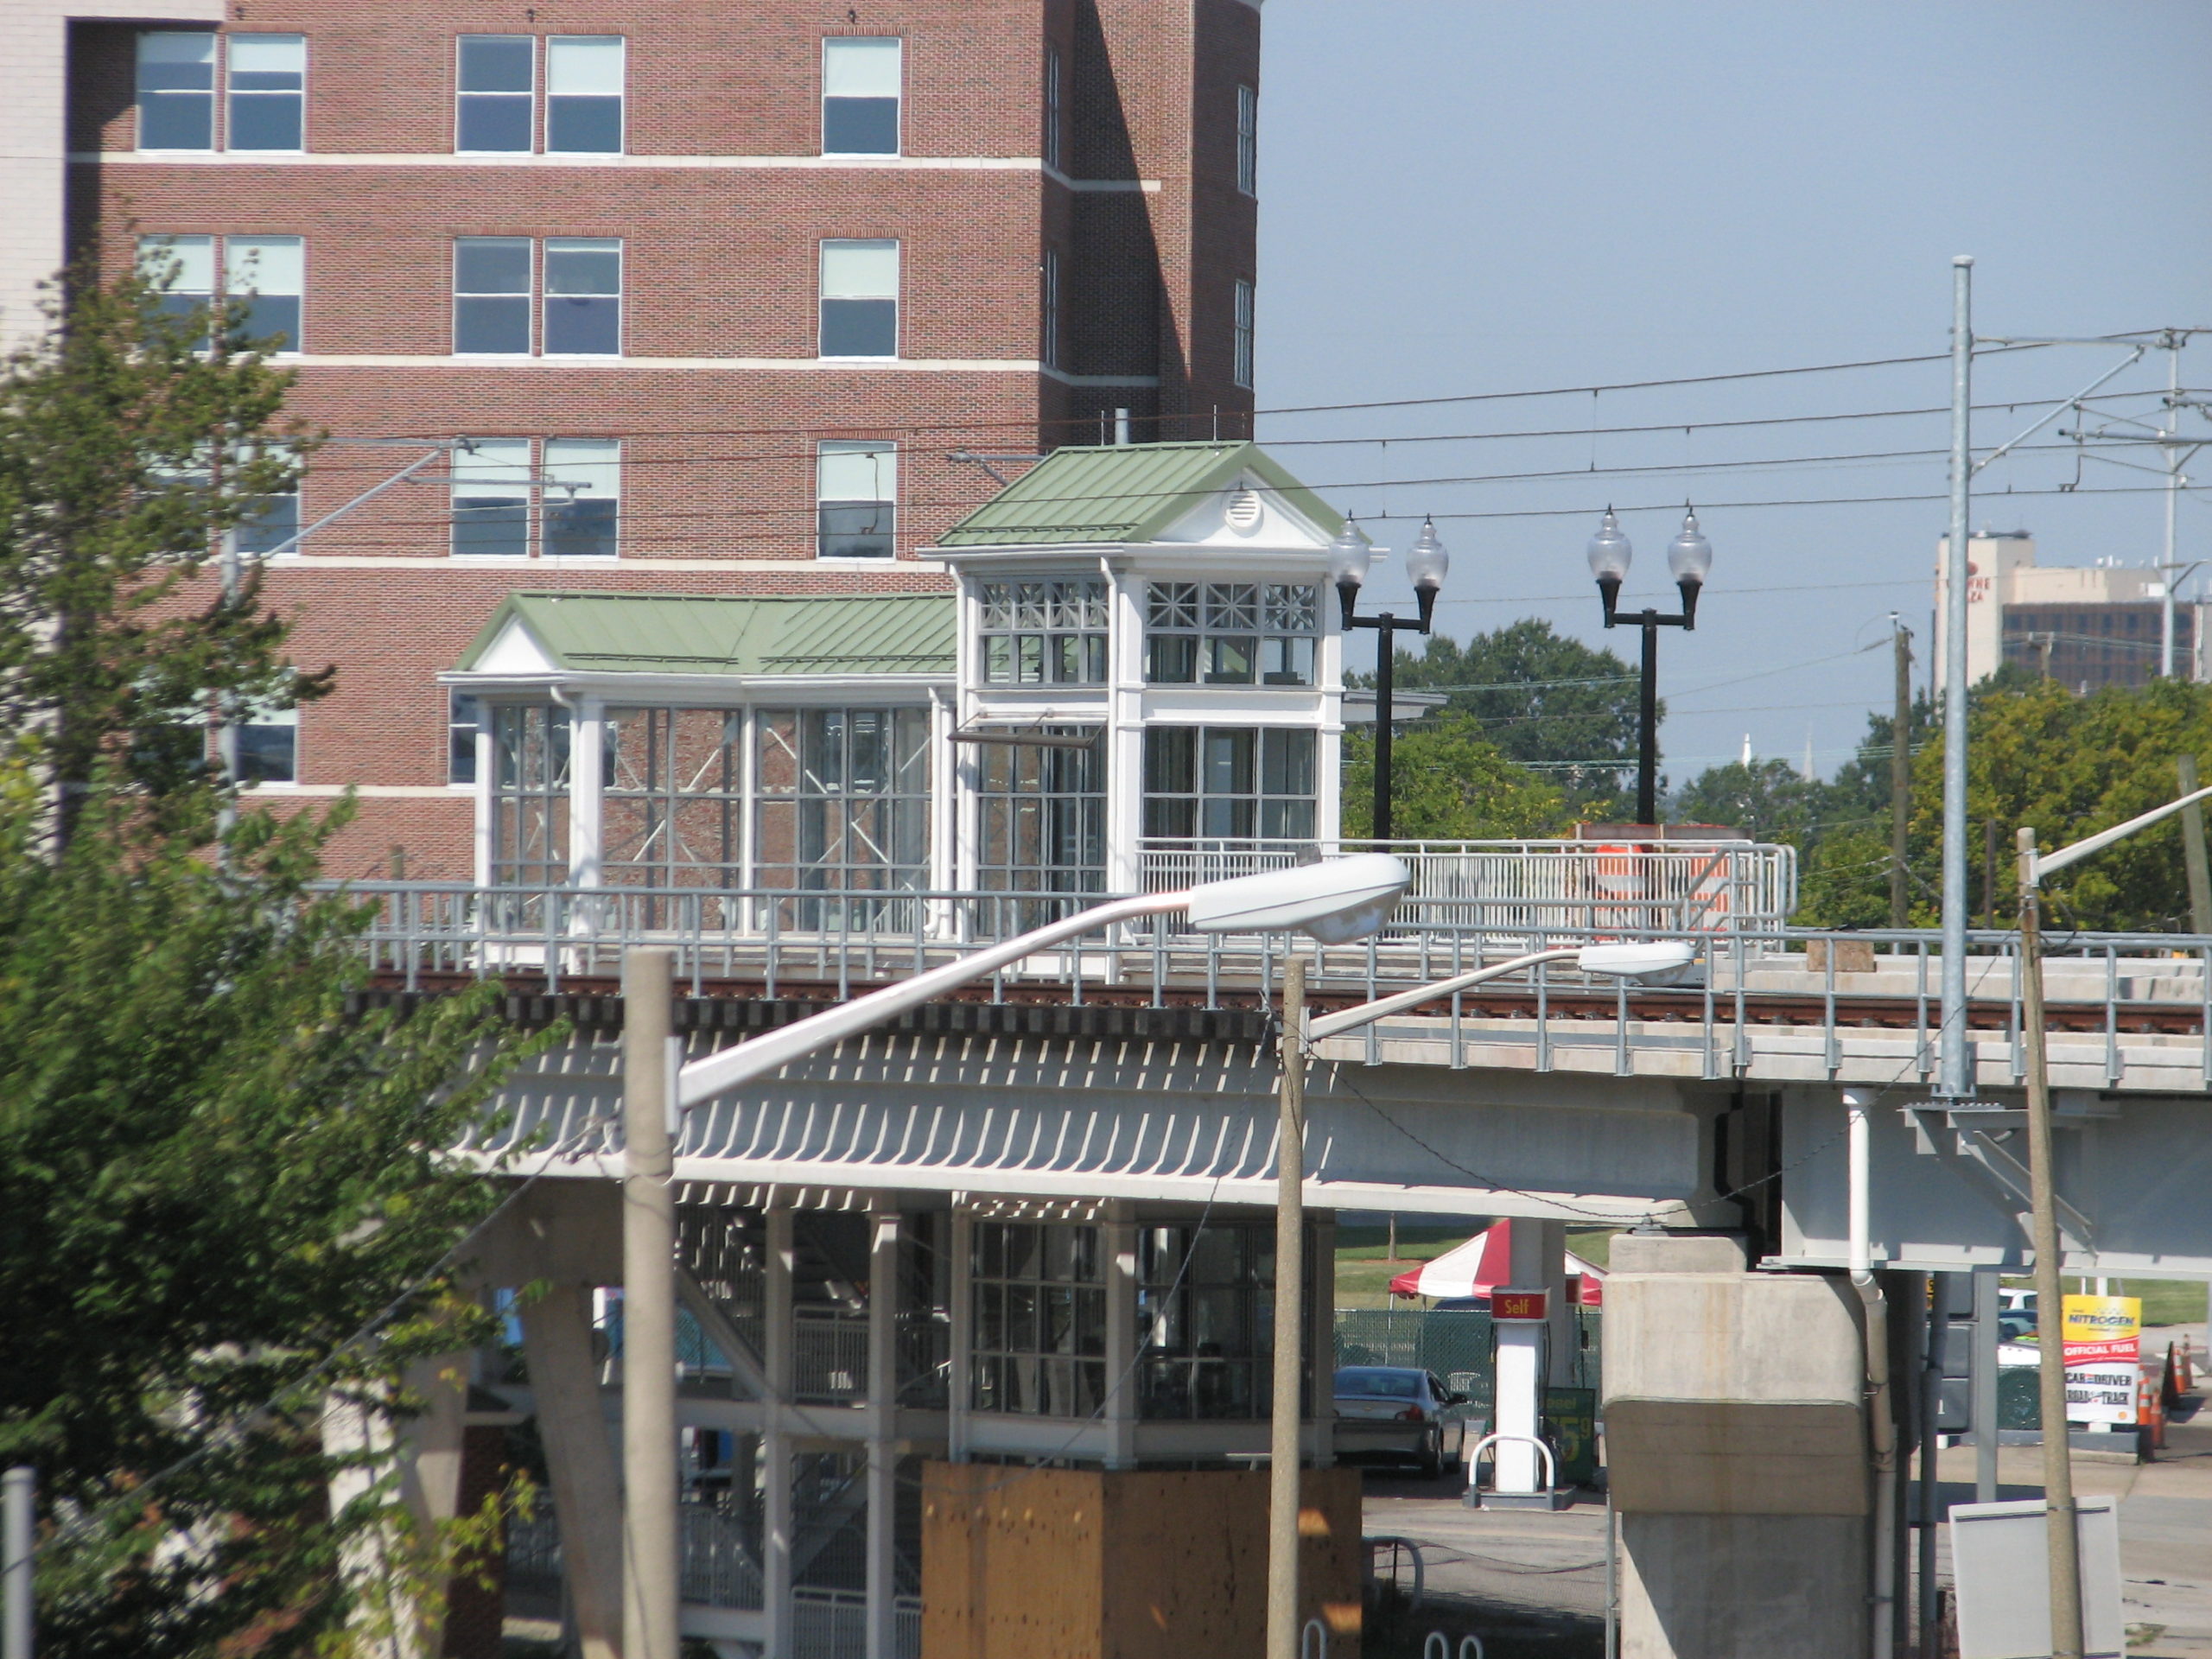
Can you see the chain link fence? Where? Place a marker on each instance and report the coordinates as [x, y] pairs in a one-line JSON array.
[[1454, 1343]]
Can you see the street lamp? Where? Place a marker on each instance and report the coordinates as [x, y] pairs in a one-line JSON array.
[[1689, 556], [1427, 565], [1335, 900]]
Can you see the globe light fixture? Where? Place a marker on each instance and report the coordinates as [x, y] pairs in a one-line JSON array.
[[1689, 557], [1427, 565], [1349, 555]]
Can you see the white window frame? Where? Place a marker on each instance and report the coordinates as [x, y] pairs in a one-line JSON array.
[[541, 267], [228, 266], [886, 452], [213, 94], [544, 80], [824, 297], [528, 98], [1241, 328], [829, 43], [227, 74], [1248, 139]]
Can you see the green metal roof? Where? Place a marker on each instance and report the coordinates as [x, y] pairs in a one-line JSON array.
[[695, 633], [1123, 492]]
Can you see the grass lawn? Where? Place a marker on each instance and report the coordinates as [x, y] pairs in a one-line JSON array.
[[1363, 1273], [2165, 1301]]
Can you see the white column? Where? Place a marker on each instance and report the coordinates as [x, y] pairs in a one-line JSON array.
[[1118, 1240], [883, 1426], [488, 760], [963, 1336], [776, 1443], [587, 751]]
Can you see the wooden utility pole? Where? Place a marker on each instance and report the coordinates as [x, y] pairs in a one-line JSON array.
[[1900, 773], [2192, 851]]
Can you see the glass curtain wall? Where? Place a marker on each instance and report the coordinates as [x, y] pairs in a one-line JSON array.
[[1040, 1318], [529, 795], [1042, 827], [673, 811], [841, 806]]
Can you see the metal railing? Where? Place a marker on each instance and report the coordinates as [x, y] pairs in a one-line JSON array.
[[721, 1562], [833, 1623], [828, 1356], [1754, 974], [1676, 886]]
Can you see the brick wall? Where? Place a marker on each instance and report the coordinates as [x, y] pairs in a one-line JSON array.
[[720, 248]]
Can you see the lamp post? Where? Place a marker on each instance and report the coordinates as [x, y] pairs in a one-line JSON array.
[[2051, 1361], [1689, 556], [1335, 900], [1426, 564]]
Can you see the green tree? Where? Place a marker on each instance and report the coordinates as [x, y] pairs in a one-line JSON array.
[[1543, 700], [214, 1174], [1768, 800], [1449, 782], [128, 451]]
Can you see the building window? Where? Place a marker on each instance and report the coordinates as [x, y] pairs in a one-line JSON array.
[[529, 795], [1230, 633], [860, 96], [1228, 782], [576, 489], [492, 483], [674, 790], [1040, 1318], [269, 746], [583, 498], [1204, 1325], [1041, 810], [176, 90], [1044, 633], [583, 94], [267, 275], [1247, 140], [491, 296], [273, 527], [183, 269], [1053, 117], [464, 719], [855, 497], [497, 85], [860, 299], [1241, 367], [1049, 279], [268, 81], [583, 296], [842, 805]]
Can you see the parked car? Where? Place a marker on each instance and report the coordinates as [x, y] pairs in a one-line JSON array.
[[1399, 1414], [2016, 1324]]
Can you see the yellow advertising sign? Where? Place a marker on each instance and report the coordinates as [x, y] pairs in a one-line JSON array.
[[2101, 1319]]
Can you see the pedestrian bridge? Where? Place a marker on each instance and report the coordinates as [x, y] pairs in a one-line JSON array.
[[1136, 1064]]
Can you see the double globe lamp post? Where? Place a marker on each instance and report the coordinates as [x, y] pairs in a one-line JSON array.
[[1427, 565], [1689, 556]]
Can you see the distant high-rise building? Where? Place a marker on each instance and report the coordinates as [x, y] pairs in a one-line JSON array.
[[2085, 626]]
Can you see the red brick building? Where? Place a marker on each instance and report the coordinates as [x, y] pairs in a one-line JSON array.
[[706, 299]]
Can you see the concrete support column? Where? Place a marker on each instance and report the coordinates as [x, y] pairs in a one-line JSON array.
[[1321, 1333], [961, 1306], [776, 1443], [882, 1432], [1118, 1244], [580, 1459]]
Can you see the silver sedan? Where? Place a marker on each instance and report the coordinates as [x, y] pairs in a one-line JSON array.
[[1399, 1413]]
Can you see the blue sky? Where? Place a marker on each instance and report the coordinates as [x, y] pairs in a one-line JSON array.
[[1462, 198]]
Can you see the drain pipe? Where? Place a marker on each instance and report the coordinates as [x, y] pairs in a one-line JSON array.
[[1881, 1425]]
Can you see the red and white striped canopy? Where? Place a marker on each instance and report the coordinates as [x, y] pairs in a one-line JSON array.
[[1485, 1260]]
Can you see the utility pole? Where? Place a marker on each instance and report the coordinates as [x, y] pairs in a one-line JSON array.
[[1284, 1424], [1900, 774], [651, 1585], [2192, 851], [2064, 1542], [1953, 1081], [18, 1542]]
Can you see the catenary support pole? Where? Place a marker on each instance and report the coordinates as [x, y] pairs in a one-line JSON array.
[[2057, 1455], [2192, 850], [1900, 776], [1931, 1407], [1952, 1080], [18, 1511], [2171, 571], [649, 1531], [1290, 1260]]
